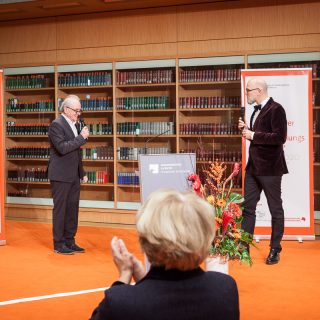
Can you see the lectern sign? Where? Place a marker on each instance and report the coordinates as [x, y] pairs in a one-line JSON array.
[[165, 171]]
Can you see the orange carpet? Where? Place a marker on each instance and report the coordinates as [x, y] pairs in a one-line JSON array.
[[28, 268]]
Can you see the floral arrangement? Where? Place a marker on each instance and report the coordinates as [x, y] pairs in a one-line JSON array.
[[230, 241]]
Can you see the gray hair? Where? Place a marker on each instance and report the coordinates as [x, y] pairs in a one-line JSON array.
[[68, 101]]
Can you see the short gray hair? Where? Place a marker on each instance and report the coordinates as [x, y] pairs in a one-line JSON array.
[[176, 229], [69, 101]]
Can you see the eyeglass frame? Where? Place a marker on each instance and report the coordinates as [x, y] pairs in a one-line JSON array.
[[249, 90], [76, 111]]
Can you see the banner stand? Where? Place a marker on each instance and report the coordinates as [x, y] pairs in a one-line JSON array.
[[2, 166]]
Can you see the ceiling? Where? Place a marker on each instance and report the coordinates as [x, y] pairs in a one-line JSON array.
[[28, 9]]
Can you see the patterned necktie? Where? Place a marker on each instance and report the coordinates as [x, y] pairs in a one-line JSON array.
[[257, 108], [77, 125]]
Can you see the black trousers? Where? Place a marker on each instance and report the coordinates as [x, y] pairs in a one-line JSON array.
[[271, 185], [65, 212]]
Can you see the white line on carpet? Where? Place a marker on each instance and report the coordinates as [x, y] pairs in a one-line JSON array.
[[50, 296]]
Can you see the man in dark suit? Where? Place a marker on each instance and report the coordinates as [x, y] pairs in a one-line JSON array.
[[266, 164], [65, 171]]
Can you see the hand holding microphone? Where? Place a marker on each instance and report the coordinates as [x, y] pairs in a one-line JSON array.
[[84, 129]]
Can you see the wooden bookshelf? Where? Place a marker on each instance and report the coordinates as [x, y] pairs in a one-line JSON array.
[[182, 101]]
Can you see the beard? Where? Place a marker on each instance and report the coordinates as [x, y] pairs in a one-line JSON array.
[[250, 101]]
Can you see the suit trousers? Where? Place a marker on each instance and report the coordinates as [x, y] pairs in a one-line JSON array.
[[271, 185], [66, 197]]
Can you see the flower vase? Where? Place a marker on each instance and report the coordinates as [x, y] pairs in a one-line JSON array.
[[218, 264]]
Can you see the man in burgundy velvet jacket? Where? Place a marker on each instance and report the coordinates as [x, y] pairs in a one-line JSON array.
[[267, 134]]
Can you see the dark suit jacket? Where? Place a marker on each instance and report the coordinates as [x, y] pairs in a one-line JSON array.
[[266, 155], [65, 162], [172, 295]]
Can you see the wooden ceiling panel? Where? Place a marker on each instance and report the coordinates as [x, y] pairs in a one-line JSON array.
[[54, 8]]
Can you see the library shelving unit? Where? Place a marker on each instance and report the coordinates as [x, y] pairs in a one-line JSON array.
[[145, 120], [209, 108], [93, 84], [301, 60], [131, 107], [29, 95]]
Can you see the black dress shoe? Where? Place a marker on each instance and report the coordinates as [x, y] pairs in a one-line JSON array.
[[273, 257], [76, 249], [64, 250]]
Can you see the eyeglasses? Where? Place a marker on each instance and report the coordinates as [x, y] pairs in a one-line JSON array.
[[76, 111], [249, 90]]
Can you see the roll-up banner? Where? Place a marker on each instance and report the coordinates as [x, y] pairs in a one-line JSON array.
[[292, 88], [2, 167]]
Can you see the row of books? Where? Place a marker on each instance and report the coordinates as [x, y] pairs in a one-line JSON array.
[[209, 102], [97, 153], [215, 155], [128, 178], [208, 128], [101, 128], [316, 127], [29, 175], [146, 76], [26, 129], [85, 79], [129, 153], [315, 68], [32, 81], [145, 128], [21, 193], [196, 74], [25, 152], [14, 105], [96, 104], [98, 177], [143, 103]]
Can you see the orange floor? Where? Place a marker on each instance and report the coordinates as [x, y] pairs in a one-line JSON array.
[[28, 268]]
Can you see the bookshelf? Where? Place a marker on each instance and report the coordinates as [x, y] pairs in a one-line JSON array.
[[152, 106], [300, 60], [145, 115], [29, 109], [93, 84], [209, 108]]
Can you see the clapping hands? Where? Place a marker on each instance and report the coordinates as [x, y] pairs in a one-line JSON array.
[[127, 264]]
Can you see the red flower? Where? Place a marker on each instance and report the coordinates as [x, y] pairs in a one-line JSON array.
[[227, 219], [235, 209], [196, 183]]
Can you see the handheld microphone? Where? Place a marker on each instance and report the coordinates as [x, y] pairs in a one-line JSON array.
[[82, 123], [243, 113]]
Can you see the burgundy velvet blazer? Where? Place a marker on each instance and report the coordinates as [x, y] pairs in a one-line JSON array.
[[266, 155]]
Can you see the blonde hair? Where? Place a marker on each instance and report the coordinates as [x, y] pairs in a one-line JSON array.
[[176, 229]]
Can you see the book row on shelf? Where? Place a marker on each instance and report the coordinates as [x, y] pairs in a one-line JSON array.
[[98, 177], [97, 153], [30, 152], [130, 153], [84, 79], [143, 103], [209, 128], [28, 175], [154, 76], [21, 193], [209, 102], [196, 74], [14, 105], [145, 128], [12, 128], [28, 81], [215, 155], [128, 178], [316, 151], [96, 104], [101, 128]]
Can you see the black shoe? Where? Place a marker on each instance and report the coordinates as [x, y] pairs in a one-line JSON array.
[[64, 250], [273, 257], [76, 249]]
